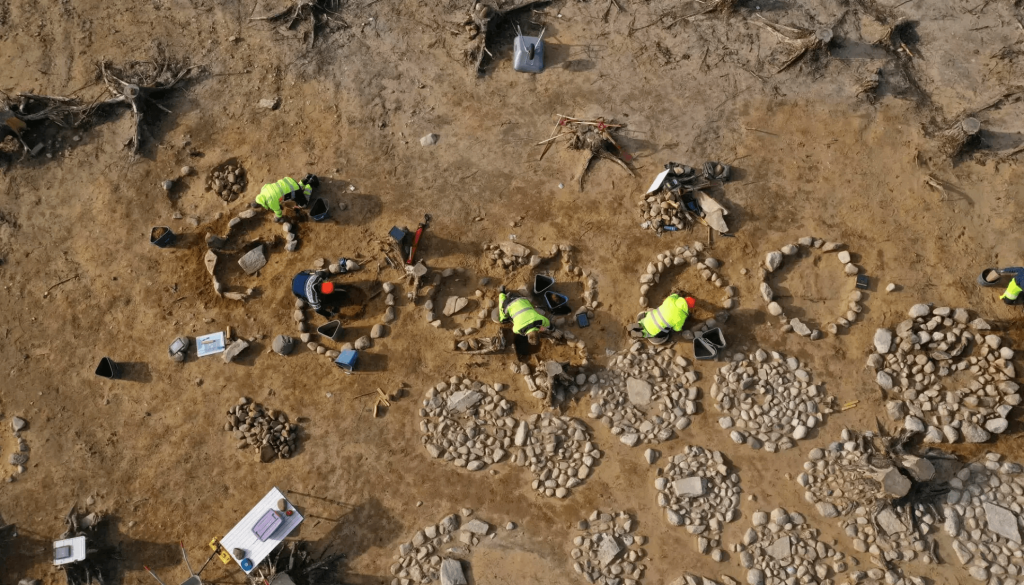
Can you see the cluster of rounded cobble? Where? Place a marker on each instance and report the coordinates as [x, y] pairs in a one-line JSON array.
[[467, 423], [607, 552], [646, 395], [769, 402], [698, 491], [842, 483], [773, 261], [983, 517], [558, 450], [781, 548], [935, 344]]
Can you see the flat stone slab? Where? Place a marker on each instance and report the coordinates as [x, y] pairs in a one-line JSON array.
[[638, 391], [1002, 521], [253, 260], [890, 522], [234, 349], [690, 486], [514, 249], [780, 549], [451, 572], [476, 526], [608, 550], [454, 305], [463, 399]]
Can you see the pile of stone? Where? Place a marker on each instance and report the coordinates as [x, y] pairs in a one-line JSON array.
[[558, 450], [511, 256], [646, 395], [467, 423], [781, 548], [698, 491], [228, 182], [982, 516], [855, 481], [607, 552], [265, 430], [769, 402], [439, 551], [708, 269], [773, 261], [556, 381], [937, 343], [18, 459]]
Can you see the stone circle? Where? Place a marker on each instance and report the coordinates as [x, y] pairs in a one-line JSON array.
[[698, 491], [769, 401], [558, 450], [646, 395], [781, 545], [438, 552], [935, 344], [467, 423], [775, 259], [982, 517], [607, 551], [683, 256]]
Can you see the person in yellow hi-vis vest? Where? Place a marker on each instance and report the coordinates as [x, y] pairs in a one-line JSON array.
[[658, 324], [273, 195], [526, 321], [1012, 294]]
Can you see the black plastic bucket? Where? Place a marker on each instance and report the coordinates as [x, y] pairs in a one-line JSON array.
[[331, 330], [108, 368], [541, 283], [318, 210], [983, 279], [161, 236], [714, 337], [702, 350], [558, 303]]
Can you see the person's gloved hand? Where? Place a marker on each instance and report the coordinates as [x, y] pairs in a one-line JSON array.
[[279, 219], [502, 290]]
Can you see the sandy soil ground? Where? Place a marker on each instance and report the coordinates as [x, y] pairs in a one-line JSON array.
[[811, 158]]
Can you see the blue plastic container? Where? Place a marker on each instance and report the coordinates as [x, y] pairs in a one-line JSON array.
[[347, 360]]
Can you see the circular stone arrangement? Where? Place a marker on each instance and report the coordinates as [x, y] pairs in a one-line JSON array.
[[683, 256], [768, 403], [607, 552], [982, 513], [698, 492], [936, 343], [558, 451], [467, 423], [433, 554], [772, 262], [646, 395], [852, 478], [780, 547]]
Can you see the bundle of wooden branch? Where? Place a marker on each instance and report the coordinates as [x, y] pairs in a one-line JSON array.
[[593, 137]]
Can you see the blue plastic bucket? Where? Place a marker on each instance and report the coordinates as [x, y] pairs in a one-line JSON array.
[[161, 236], [318, 210]]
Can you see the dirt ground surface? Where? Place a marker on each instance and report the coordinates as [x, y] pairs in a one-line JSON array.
[[810, 156]]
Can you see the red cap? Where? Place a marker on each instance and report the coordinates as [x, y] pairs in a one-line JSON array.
[[327, 287], [690, 302]]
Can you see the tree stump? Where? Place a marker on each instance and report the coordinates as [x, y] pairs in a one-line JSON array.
[[958, 136]]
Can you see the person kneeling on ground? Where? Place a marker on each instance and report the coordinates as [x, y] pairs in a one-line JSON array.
[[274, 195], [526, 321], [658, 325], [1012, 294], [312, 287]]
